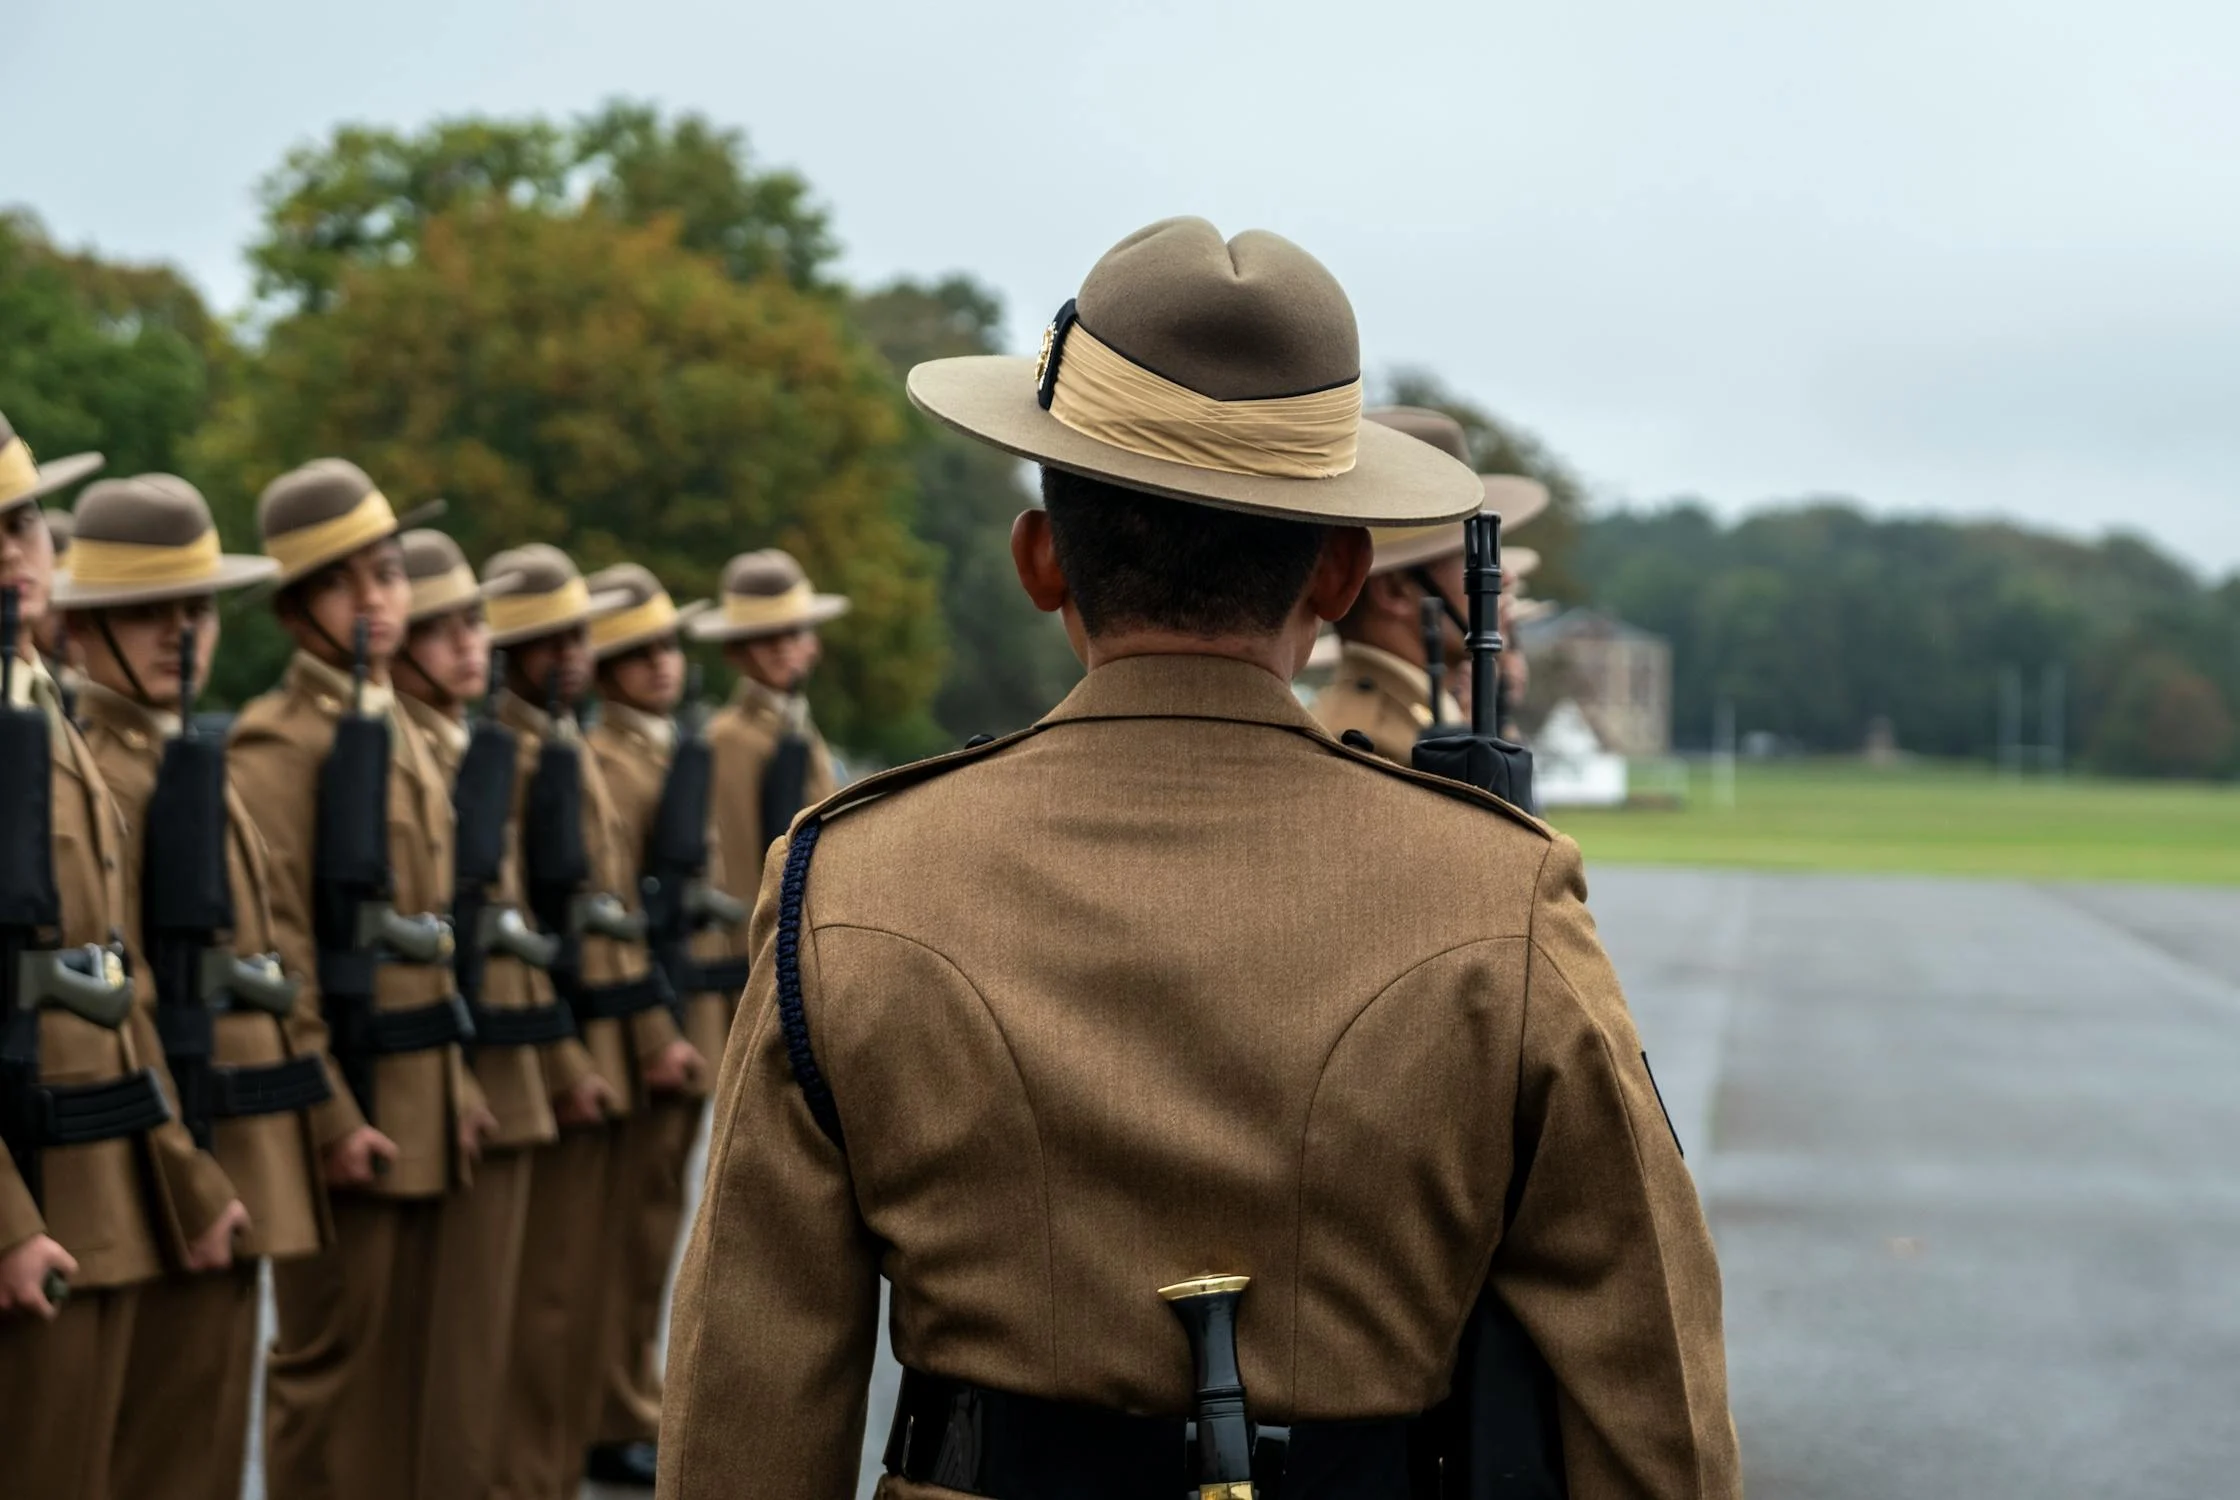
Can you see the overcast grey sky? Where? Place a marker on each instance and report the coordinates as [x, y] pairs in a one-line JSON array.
[[1967, 256]]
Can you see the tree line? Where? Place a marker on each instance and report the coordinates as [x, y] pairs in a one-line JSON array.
[[626, 334]]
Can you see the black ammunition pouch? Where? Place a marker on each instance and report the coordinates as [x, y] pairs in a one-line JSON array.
[[359, 1034], [688, 976], [1012, 1447], [268, 1089]]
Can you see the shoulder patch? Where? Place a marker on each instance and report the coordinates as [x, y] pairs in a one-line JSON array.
[[1440, 784]]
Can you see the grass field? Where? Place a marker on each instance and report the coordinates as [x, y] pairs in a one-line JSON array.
[[1931, 819]]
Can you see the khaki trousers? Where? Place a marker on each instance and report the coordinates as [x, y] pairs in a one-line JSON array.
[[478, 1277], [344, 1382], [184, 1430], [61, 1386], [652, 1152], [567, 1256]]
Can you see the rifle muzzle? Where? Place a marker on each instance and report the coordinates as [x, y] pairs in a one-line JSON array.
[[502, 932], [89, 982], [422, 939], [253, 983], [603, 915], [705, 906]]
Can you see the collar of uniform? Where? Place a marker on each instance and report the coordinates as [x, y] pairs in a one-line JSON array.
[[519, 714], [749, 694], [27, 679], [1184, 687], [661, 731], [1403, 679], [138, 725], [447, 730], [329, 682]]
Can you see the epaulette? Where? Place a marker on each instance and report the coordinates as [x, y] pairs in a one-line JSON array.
[[793, 889], [1459, 791]]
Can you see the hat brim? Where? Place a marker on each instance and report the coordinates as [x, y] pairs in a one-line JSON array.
[[1514, 498], [822, 607], [686, 614], [58, 474], [601, 605], [493, 588], [1396, 480], [235, 571]]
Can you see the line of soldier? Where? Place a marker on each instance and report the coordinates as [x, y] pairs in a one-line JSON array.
[[417, 1002]]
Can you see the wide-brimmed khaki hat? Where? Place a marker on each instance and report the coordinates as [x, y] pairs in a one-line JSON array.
[[323, 512], [765, 593], [1512, 497], [548, 595], [1525, 611], [1223, 373], [441, 580], [147, 539], [649, 616], [24, 479]]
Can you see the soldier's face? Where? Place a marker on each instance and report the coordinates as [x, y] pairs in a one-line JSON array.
[[26, 565], [369, 584], [649, 679], [453, 653], [141, 644], [564, 658], [782, 662]]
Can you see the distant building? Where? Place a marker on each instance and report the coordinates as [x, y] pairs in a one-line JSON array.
[[1619, 676]]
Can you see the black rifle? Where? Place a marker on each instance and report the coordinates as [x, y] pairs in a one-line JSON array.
[[91, 981], [482, 798], [1495, 1436], [186, 915], [357, 927], [556, 866], [679, 900], [785, 780]]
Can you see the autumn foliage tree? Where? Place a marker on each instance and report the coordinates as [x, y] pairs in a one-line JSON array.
[[569, 376]]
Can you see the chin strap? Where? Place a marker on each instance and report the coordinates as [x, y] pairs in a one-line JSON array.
[[124, 664]]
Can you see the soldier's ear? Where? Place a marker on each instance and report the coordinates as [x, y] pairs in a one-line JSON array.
[[1340, 572], [1034, 552]]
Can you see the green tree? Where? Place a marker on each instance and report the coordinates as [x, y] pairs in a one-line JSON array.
[[364, 196], [1500, 447], [563, 375], [2166, 719], [97, 354], [1008, 661]]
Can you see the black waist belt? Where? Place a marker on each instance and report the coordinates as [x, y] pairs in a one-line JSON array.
[[268, 1089], [420, 1029], [1012, 1447], [720, 976], [78, 1114], [615, 1002], [527, 1026]]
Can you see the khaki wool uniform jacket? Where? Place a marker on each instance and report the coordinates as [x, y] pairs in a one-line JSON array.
[[512, 1078], [280, 746], [270, 1159], [600, 1044], [742, 736], [96, 1201], [634, 751], [1383, 697], [1176, 984]]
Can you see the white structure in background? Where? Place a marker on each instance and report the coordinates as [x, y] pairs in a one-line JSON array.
[[1570, 768]]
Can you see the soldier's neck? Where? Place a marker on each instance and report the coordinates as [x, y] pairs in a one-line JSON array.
[[1392, 637], [1280, 655]]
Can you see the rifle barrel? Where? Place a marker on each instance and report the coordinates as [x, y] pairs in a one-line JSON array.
[[1481, 577]]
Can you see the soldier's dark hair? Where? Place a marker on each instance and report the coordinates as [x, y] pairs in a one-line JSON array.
[[1138, 561]]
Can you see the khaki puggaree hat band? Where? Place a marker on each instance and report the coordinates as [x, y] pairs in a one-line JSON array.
[[1101, 393], [527, 616], [23, 478], [647, 615], [762, 611], [766, 593]]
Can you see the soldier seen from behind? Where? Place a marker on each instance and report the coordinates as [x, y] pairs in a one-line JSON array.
[[1171, 1059]]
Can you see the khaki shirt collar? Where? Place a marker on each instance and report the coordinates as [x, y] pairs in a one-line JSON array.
[[447, 731], [754, 696], [1184, 687], [315, 676], [662, 732], [1403, 680], [519, 714], [31, 685], [107, 706]]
